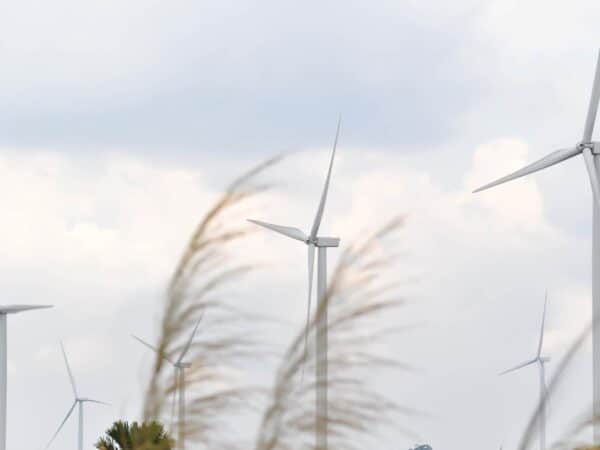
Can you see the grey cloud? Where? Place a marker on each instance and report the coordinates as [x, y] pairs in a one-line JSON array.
[[254, 79]]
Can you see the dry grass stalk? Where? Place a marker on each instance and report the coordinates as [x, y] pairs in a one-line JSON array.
[[357, 299], [196, 290]]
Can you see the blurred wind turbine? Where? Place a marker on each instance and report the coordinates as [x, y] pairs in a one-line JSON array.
[[79, 401], [540, 361], [4, 312], [314, 241], [590, 151], [179, 365]]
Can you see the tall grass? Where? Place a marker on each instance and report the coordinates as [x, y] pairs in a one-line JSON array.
[[357, 298], [198, 288]]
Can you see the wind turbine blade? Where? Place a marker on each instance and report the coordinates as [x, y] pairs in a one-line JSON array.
[[291, 232], [62, 424], [151, 347], [541, 343], [69, 371], [311, 270], [98, 402], [14, 309], [593, 107], [591, 168], [321, 209], [189, 342], [545, 162], [520, 366]]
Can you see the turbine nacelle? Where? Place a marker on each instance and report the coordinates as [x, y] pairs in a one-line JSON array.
[[298, 235], [327, 242]]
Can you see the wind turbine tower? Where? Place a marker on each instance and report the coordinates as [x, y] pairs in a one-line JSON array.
[[315, 242], [78, 402], [5, 311], [180, 366], [540, 361], [590, 150]]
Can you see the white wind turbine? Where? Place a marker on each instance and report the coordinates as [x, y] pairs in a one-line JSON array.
[[78, 402], [540, 361], [314, 241], [180, 366], [4, 312], [590, 151]]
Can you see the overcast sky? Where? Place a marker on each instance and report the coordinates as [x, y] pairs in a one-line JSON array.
[[121, 121]]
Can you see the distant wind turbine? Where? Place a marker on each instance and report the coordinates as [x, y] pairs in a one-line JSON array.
[[540, 361], [180, 366], [79, 401], [590, 151], [314, 241], [4, 312]]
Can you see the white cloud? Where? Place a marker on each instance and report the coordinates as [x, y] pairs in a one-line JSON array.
[[101, 236], [98, 235]]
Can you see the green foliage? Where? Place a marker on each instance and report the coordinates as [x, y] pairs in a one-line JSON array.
[[126, 436]]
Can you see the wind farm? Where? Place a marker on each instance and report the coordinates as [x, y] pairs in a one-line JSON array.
[[295, 226], [5, 311]]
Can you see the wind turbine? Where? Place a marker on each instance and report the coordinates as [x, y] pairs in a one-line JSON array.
[[78, 402], [314, 241], [590, 151], [180, 366], [4, 312], [540, 361]]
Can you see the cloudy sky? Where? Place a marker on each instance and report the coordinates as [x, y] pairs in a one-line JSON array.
[[120, 122]]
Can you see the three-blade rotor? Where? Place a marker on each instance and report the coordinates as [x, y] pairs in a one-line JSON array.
[[186, 348], [539, 359], [153, 348], [77, 400], [586, 147], [312, 240]]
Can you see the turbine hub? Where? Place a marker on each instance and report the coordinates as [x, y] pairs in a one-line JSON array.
[[593, 146]]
